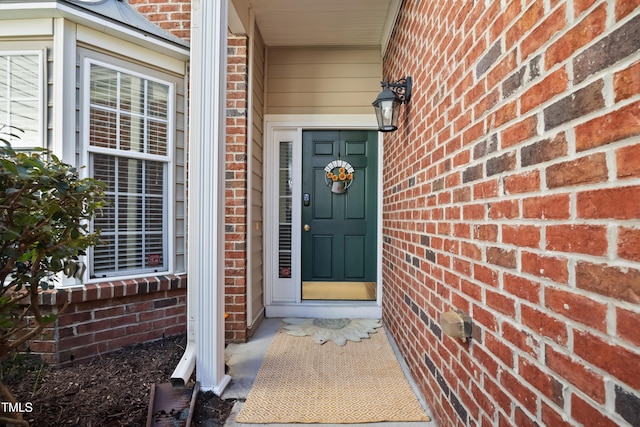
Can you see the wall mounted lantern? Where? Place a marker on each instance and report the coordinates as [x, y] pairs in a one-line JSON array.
[[387, 104]]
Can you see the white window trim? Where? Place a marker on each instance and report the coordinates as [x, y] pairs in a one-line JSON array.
[[42, 84], [169, 160]]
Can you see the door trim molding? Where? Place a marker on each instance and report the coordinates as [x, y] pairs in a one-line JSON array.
[[290, 303]]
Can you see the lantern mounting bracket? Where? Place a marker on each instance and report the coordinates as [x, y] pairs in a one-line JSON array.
[[401, 87]]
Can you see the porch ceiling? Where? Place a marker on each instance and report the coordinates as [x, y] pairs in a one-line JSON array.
[[325, 22]]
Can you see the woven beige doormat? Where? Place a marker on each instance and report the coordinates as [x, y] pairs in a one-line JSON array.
[[303, 382]]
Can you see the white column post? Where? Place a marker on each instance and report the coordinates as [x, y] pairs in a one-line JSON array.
[[206, 187], [63, 143]]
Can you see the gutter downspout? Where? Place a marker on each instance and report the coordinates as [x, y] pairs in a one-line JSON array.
[[187, 364], [206, 165]]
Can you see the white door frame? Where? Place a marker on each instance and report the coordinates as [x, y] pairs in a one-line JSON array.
[[283, 296]]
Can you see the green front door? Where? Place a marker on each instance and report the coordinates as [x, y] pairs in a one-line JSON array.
[[339, 200]]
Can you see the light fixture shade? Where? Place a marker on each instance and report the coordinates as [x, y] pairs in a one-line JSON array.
[[387, 109]]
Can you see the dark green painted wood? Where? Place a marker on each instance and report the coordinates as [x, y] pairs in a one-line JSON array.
[[321, 253], [341, 243], [355, 247]]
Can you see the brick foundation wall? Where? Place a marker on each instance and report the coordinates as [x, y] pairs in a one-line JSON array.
[[101, 318], [512, 192]]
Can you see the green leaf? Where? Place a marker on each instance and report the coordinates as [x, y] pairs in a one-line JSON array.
[[49, 319], [9, 166]]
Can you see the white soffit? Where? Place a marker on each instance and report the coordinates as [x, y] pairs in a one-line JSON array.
[[325, 22]]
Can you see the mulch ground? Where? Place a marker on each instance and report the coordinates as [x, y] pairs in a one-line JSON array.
[[109, 391]]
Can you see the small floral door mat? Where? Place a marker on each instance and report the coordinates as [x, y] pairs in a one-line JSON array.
[[337, 330], [340, 382]]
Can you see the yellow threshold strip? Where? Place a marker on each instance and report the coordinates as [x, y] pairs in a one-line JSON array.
[[350, 291]]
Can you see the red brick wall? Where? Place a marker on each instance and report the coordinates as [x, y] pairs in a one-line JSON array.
[[171, 15], [512, 192], [101, 318], [236, 191]]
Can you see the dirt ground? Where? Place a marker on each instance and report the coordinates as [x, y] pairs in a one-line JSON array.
[[109, 391]]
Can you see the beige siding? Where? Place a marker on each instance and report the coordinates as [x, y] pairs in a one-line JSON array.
[[322, 80], [180, 184], [256, 223]]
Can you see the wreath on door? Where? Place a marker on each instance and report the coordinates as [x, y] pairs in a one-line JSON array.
[[338, 176]]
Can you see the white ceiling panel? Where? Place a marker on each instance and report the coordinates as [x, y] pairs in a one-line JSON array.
[[324, 22]]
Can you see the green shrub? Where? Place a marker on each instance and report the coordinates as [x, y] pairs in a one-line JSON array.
[[45, 213]]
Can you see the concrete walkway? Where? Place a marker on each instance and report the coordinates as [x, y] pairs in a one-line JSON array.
[[244, 361]]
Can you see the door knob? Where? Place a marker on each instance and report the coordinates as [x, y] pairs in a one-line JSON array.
[[307, 227]]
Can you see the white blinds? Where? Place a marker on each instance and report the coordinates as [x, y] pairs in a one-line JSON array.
[[20, 97], [285, 206], [133, 224], [128, 112]]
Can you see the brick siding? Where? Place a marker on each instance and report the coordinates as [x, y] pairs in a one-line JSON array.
[[512, 192], [173, 16], [236, 191]]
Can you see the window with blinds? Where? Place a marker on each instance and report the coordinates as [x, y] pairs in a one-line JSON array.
[[21, 103], [129, 143]]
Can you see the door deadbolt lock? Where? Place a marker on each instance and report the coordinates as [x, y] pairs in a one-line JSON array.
[[307, 227], [306, 199]]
